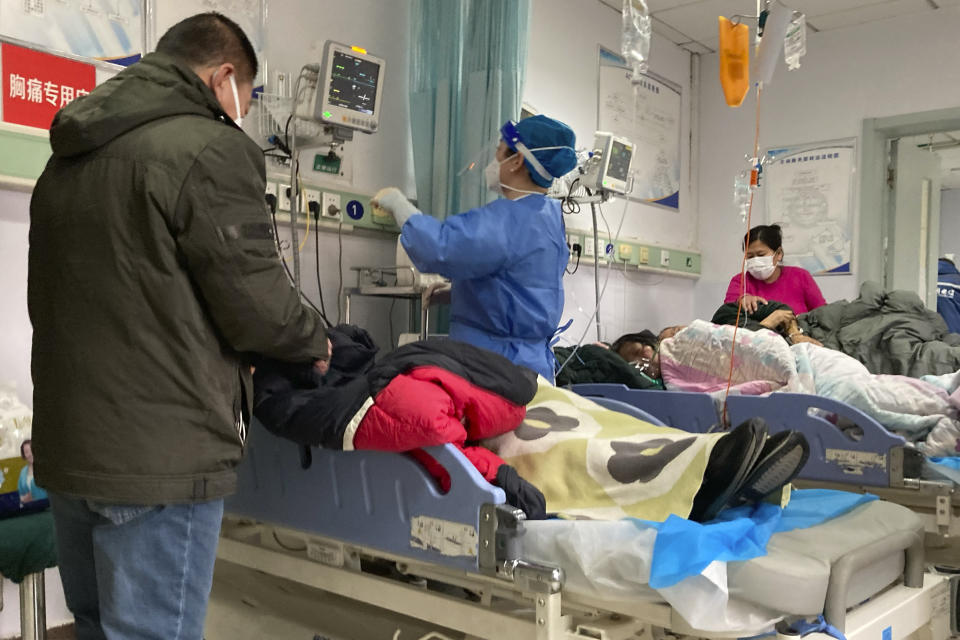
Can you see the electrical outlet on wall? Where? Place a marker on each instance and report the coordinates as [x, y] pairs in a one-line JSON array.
[[588, 248], [284, 198], [271, 189], [310, 195], [330, 206], [664, 258]]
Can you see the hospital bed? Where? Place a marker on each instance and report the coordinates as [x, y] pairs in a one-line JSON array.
[[863, 456], [373, 527]]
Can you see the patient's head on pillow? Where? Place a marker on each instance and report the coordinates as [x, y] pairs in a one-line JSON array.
[[633, 346], [669, 332], [640, 350]]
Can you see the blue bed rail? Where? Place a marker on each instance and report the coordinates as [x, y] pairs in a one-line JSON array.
[[370, 498], [693, 412], [835, 455]]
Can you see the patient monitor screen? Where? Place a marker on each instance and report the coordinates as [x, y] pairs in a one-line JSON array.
[[619, 165], [353, 83]]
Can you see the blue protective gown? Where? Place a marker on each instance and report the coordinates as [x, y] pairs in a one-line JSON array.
[[948, 295], [505, 261]]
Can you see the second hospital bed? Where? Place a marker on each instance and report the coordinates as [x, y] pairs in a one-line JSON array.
[[358, 513], [863, 456]]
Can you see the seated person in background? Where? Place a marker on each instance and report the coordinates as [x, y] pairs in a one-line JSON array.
[[948, 293], [770, 280], [27, 486]]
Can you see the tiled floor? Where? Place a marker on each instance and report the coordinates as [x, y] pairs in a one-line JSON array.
[[247, 605]]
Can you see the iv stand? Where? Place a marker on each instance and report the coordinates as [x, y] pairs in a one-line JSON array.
[[596, 268]]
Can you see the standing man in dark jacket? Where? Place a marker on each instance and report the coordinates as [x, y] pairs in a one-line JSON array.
[[153, 277]]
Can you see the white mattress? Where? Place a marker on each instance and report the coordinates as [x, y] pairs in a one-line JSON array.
[[794, 574], [611, 561]]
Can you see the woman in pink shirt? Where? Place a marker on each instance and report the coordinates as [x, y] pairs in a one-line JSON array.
[[767, 279]]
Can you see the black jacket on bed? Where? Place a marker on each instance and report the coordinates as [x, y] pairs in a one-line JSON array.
[[295, 402]]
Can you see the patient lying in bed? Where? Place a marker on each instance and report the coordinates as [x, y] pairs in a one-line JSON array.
[[539, 443], [924, 411]]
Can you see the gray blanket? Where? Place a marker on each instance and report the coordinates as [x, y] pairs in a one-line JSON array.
[[889, 332]]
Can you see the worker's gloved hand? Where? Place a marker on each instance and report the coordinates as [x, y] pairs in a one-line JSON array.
[[521, 494], [395, 203]]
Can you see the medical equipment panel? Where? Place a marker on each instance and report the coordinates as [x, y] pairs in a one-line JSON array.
[[608, 168], [350, 88]]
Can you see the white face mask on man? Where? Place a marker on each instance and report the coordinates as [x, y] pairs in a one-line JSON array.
[[761, 267], [236, 102]]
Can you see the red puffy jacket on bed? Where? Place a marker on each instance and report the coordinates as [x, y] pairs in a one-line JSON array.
[[430, 406]]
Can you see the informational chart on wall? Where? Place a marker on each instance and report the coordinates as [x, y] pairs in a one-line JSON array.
[[110, 30], [809, 192], [648, 114], [249, 14]]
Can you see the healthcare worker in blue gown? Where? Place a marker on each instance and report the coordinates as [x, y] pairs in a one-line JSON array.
[[506, 259]]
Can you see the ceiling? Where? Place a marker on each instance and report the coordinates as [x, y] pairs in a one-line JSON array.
[[692, 24]]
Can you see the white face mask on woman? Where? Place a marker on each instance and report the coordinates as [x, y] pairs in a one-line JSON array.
[[761, 267], [492, 174]]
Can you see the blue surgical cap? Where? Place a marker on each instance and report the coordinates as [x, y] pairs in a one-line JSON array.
[[540, 131]]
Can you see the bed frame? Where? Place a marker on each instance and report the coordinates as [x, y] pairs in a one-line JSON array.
[[877, 461], [373, 527]]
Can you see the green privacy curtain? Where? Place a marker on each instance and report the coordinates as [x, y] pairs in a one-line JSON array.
[[467, 66]]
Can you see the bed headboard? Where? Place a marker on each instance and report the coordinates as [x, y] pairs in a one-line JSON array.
[[371, 498]]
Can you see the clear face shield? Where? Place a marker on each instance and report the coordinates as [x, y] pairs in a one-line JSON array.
[[484, 166], [473, 173]]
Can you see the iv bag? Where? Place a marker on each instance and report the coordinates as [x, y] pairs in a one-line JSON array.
[[635, 41], [795, 42], [774, 33], [741, 193], [734, 61]]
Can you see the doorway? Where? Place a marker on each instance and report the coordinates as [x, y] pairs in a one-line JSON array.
[[900, 199]]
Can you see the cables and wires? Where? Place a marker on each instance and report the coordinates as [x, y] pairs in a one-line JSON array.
[[569, 204], [293, 218], [606, 281], [393, 303], [576, 249], [316, 255], [754, 182], [272, 204], [340, 271]]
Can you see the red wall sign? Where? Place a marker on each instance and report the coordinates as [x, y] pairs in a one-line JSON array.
[[36, 85]]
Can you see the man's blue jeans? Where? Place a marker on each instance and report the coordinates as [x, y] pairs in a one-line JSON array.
[[136, 572]]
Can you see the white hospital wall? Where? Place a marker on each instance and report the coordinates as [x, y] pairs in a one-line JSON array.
[[562, 82], [950, 221], [878, 69], [15, 330]]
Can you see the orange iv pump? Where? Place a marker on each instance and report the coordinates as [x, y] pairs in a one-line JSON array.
[[734, 61]]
